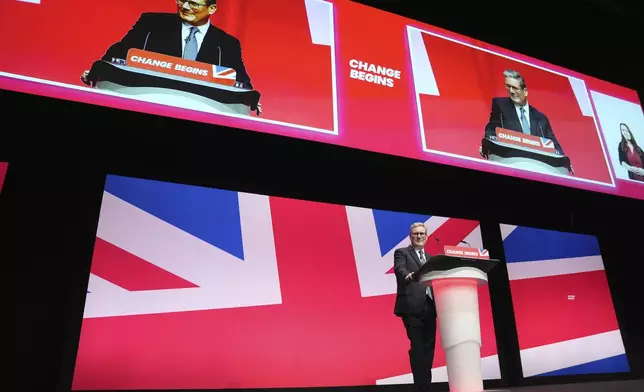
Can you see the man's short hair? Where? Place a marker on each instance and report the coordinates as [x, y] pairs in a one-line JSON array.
[[510, 73], [417, 224]]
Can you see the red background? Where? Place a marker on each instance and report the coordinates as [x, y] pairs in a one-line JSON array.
[[591, 312], [292, 74], [469, 78]]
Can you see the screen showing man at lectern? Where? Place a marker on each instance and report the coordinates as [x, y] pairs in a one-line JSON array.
[[232, 62], [519, 115], [563, 308], [3, 173], [190, 26], [467, 93], [189, 285]]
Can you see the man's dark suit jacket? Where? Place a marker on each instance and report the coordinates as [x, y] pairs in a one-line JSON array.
[[503, 108], [161, 33], [410, 295]]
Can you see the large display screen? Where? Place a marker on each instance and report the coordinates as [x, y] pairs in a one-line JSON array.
[[335, 72], [3, 173], [564, 312], [190, 285]]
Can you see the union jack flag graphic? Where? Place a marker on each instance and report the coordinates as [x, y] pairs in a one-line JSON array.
[[190, 284], [223, 72], [564, 312], [547, 143], [484, 252]]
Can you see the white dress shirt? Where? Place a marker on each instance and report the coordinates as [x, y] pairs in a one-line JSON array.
[[201, 34]]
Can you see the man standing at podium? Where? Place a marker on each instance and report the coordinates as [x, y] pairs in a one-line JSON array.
[[516, 114], [187, 34], [415, 306]]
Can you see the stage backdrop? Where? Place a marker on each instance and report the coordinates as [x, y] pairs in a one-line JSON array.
[[201, 288], [562, 303], [332, 71]]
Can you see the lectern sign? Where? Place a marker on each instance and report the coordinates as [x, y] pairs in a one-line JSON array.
[[176, 66], [473, 253], [524, 140]]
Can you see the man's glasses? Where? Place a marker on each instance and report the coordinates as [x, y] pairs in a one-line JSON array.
[[512, 88], [195, 6], [419, 234]]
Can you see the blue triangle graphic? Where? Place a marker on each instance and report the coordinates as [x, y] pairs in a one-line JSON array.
[[209, 214], [616, 364], [393, 227], [529, 244]]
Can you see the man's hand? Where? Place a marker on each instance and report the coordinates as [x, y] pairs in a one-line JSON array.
[[85, 80], [410, 276], [571, 171], [639, 171]]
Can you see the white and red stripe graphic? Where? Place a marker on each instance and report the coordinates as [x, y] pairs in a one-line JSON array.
[[564, 312]]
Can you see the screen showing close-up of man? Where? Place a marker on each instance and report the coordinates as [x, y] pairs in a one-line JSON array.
[[188, 285], [199, 57], [332, 71], [563, 306], [478, 104]]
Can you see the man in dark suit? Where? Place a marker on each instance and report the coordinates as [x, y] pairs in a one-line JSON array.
[[187, 34], [415, 306], [514, 112]]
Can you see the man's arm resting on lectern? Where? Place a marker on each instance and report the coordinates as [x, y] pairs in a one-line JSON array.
[[399, 266]]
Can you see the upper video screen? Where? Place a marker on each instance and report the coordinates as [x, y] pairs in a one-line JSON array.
[[336, 72]]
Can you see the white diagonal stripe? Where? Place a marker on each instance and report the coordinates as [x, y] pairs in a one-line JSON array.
[[543, 268], [562, 355], [224, 280], [489, 366], [506, 230]]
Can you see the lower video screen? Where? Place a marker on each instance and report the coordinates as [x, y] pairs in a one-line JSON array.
[[564, 312], [202, 288], [3, 173]]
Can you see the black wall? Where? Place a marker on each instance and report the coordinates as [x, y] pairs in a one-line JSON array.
[[60, 152]]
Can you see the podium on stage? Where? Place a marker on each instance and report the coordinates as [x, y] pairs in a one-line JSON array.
[[454, 280], [173, 90], [526, 152]]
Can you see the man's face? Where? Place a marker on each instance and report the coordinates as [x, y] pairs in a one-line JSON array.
[[195, 12], [418, 237], [517, 94]]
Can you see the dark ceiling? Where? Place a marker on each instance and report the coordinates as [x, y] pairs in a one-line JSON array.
[[601, 38]]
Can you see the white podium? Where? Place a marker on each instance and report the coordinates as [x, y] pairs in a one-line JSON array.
[[455, 282]]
